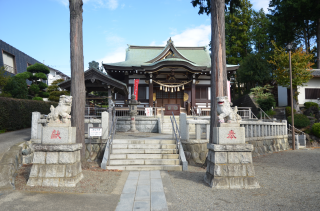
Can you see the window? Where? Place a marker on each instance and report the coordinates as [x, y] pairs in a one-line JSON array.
[[142, 93], [202, 93], [312, 93], [119, 96], [9, 63]]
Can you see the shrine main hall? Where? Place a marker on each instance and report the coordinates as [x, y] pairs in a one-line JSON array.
[[167, 75]]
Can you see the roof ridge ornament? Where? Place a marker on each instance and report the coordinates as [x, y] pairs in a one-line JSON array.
[[169, 41]]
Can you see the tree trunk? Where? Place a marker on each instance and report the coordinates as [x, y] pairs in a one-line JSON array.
[[77, 72], [218, 59], [295, 100], [318, 44]]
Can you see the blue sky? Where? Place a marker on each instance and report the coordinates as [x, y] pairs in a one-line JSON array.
[[41, 28]]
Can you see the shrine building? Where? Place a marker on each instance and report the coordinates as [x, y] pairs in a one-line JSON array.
[[167, 75]]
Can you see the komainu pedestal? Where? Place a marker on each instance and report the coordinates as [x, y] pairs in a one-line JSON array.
[[229, 164], [56, 161]]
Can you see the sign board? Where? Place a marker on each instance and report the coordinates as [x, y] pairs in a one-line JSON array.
[[95, 131], [148, 111]]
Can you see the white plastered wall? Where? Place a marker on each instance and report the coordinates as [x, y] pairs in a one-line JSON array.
[[313, 83]]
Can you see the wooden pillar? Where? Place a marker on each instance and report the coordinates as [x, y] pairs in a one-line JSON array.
[[150, 94], [193, 95]]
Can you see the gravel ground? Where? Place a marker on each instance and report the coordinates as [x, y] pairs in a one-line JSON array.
[[289, 180], [95, 180]]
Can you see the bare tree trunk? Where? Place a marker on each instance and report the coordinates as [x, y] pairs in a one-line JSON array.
[[77, 72], [218, 59], [318, 44], [295, 100]]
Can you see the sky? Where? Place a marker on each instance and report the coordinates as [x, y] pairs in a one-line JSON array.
[[41, 28]]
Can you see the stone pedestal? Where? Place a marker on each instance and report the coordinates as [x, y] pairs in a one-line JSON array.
[[229, 164], [56, 161]]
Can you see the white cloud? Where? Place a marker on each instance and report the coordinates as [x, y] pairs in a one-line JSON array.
[[258, 4], [117, 55], [198, 36], [110, 4]]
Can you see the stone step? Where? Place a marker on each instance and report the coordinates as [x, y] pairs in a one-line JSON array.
[[149, 141], [143, 156], [144, 162], [144, 151], [147, 167], [144, 146]]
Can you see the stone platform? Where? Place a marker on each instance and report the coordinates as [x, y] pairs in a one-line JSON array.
[[56, 165], [229, 166]]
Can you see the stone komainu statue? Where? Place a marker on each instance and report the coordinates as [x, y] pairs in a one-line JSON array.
[[225, 112], [61, 114]]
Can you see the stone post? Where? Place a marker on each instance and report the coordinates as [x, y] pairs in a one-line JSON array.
[[104, 125], [34, 125], [183, 126], [229, 164]]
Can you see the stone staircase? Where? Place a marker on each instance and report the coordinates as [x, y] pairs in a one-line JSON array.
[[144, 154]]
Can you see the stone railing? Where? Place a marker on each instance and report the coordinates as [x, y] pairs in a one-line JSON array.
[[266, 137]]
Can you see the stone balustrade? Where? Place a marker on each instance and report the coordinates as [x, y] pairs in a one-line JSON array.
[[266, 137]]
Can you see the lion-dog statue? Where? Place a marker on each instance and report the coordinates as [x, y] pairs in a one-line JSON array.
[[61, 114], [225, 112]]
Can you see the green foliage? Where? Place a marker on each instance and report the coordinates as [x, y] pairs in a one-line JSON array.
[[301, 66], [262, 92], [42, 85], [24, 75], [300, 120], [37, 98], [34, 89], [54, 91], [4, 77], [17, 88], [309, 104], [38, 68], [288, 111], [238, 25], [36, 73], [271, 113], [54, 85], [55, 95], [254, 69], [205, 5], [267, 103], [316, 129], [17, 113], [44, 94]]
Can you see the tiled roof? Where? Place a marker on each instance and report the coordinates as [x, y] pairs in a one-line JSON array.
[[316, 72]]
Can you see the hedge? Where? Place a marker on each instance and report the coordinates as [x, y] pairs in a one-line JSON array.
[[316, 129], [16, 114], [309, 104]]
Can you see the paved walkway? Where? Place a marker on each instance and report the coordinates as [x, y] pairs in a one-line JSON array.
[[143, 190]]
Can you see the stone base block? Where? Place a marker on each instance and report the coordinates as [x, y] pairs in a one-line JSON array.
[[58, 135], [231, 182], [230, 167], [229, 135], [55, 182]]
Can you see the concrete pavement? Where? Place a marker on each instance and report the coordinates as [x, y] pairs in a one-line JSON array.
[[143, 191], [8, 139]]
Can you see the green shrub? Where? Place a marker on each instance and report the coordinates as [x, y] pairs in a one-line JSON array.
[[288, 111], [309, 104], [271, 113], [316, 129], [16, 114], [266, 104], [300, 120], [17, 87], [37, 98], [55, 95]]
